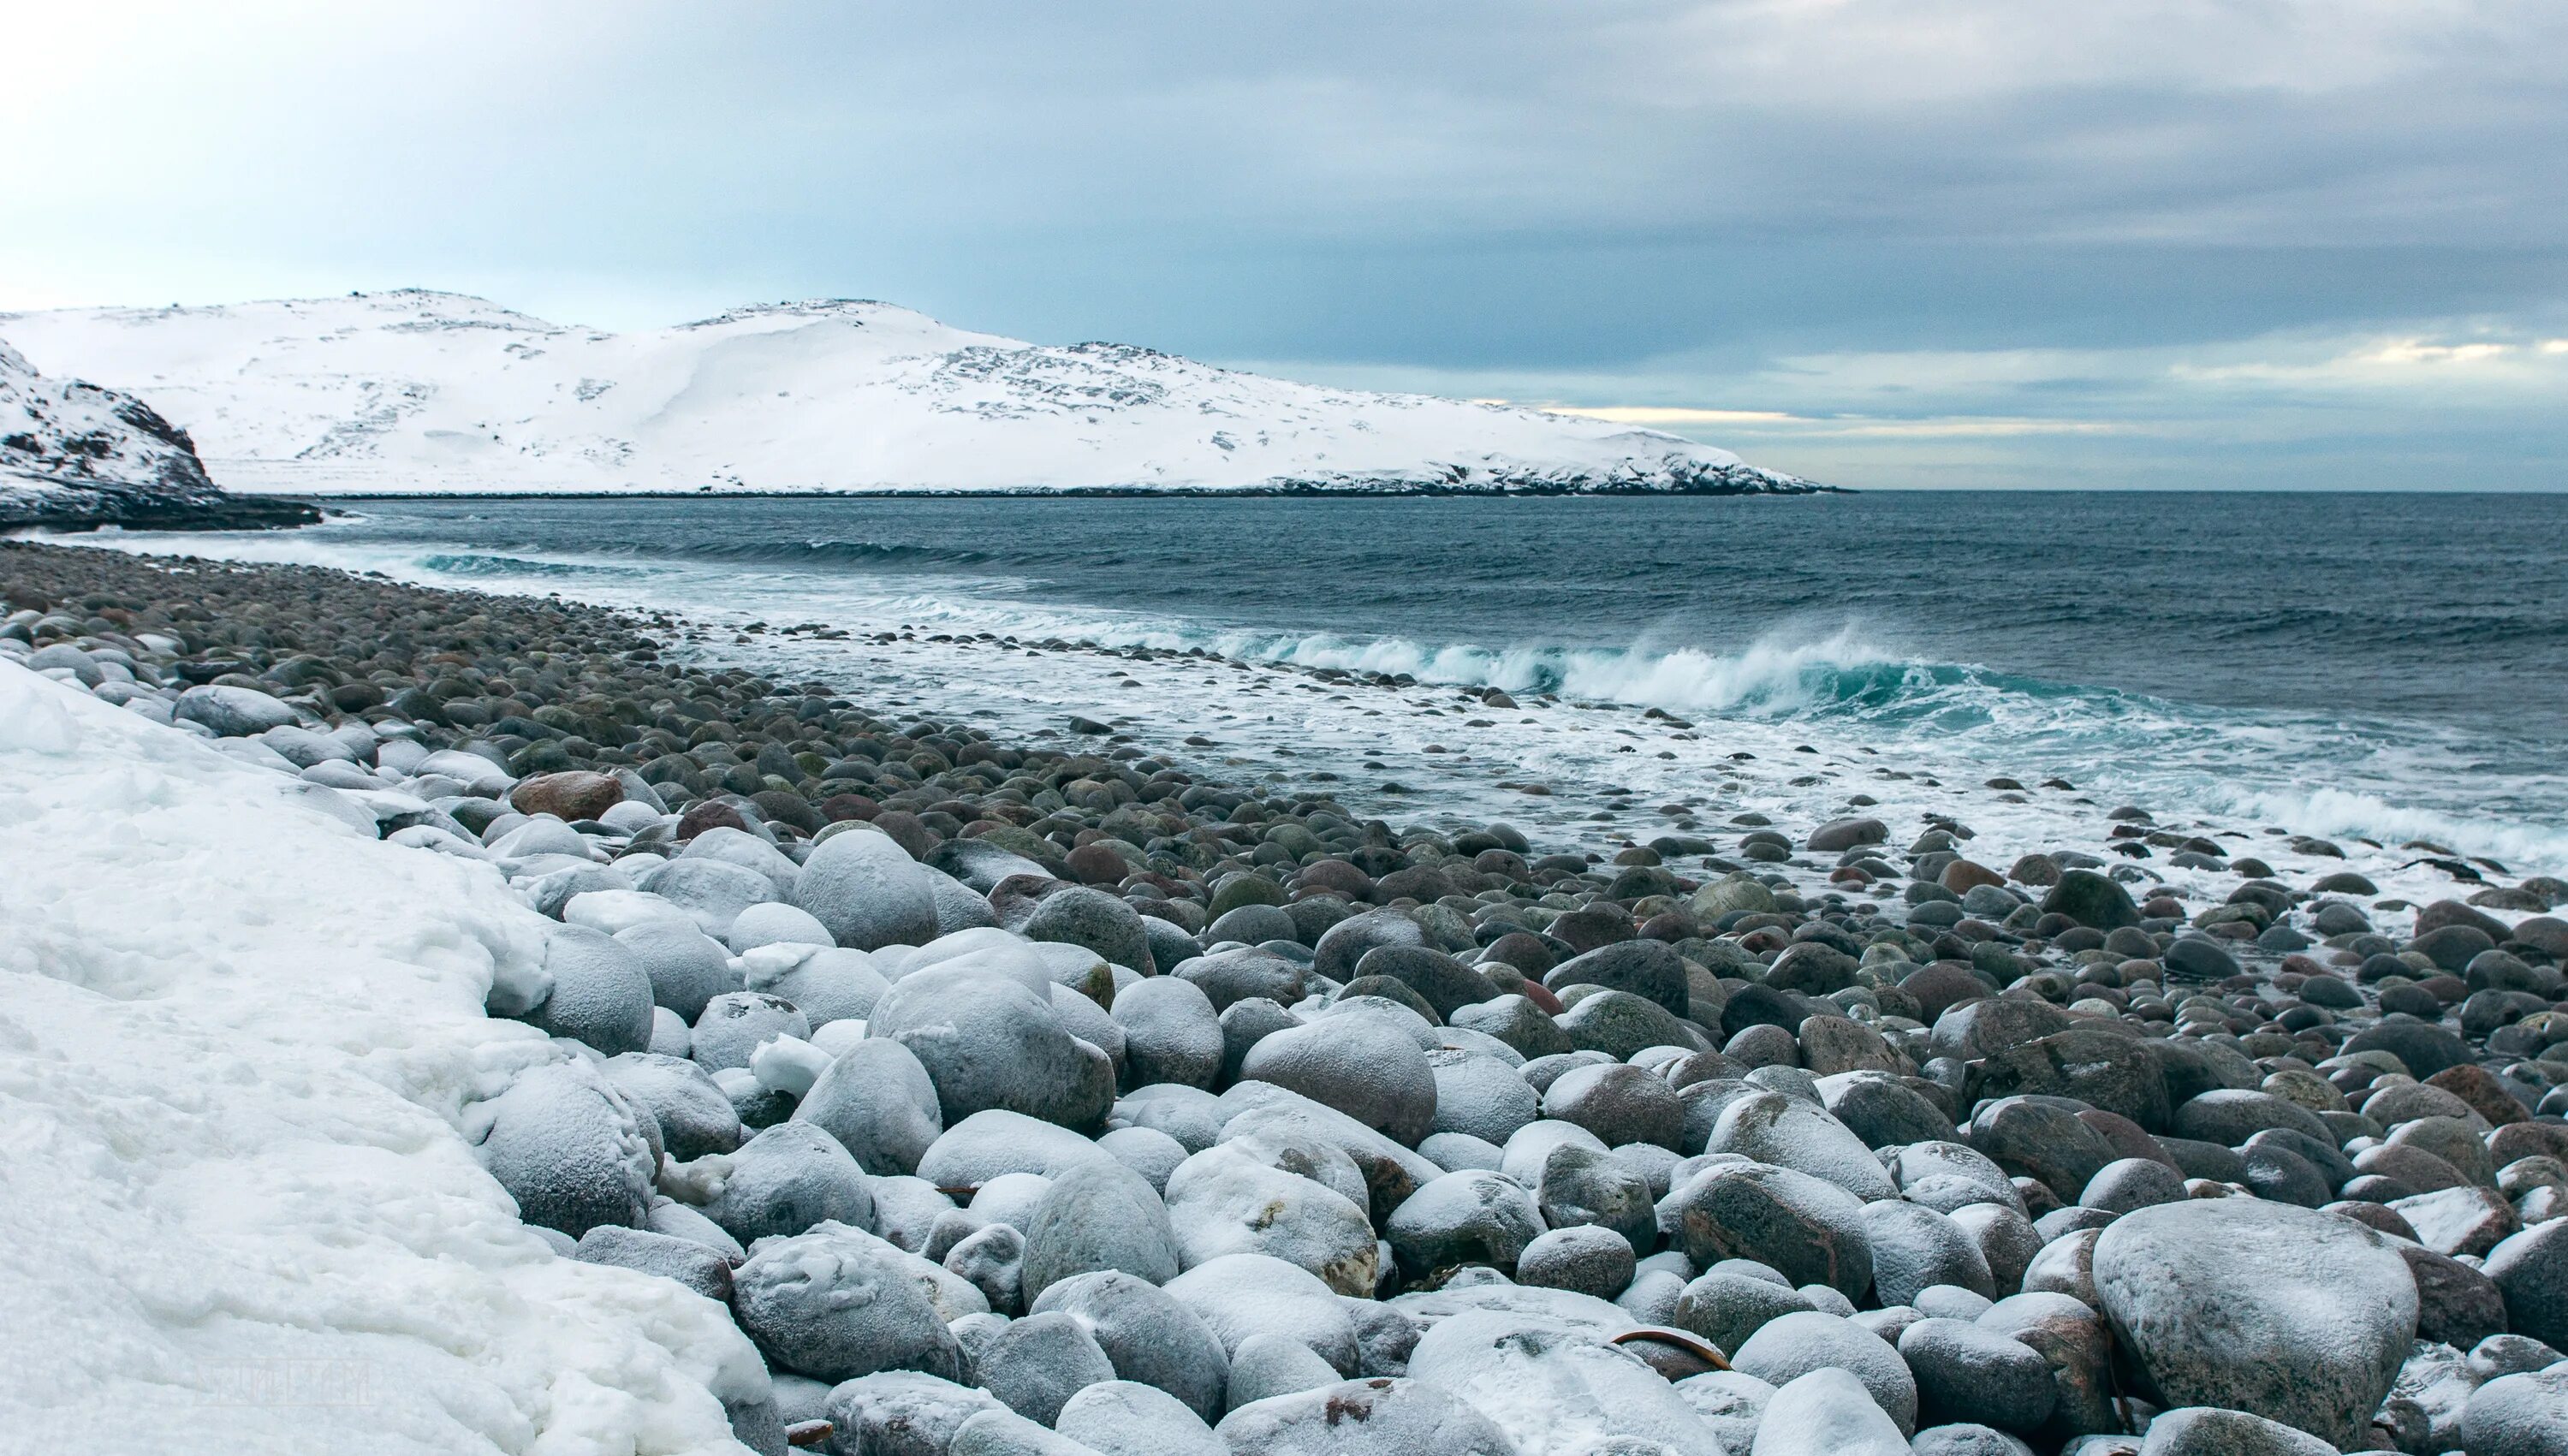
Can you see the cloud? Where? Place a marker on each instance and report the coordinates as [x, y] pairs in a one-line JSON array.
[[2075, 232]]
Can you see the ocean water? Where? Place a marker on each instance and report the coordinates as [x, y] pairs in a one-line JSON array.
[[2384, 668]]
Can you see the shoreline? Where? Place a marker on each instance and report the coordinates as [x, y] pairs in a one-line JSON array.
[[1449, 1037]]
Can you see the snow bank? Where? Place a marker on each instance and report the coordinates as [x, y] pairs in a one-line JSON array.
[[237, 1038]]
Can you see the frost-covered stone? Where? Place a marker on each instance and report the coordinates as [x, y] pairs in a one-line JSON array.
[[693, 1115], [1149, 1335], [1128, 1419], [1241, 1295], [568, 1148], [1554, 1390], [1356, 1064], [1099, 1215], [1268, 1365], [1171, 1033], [735, 1023], [1223, 1201], [601, 994], [867, 892], [988, 1043], [788, 1179], [1374, 1417], [1968, 1373], [877, 1102], [1793, 1345], [835, 1305], [1827, 1411], [687, 968], [1471, 1217], [1037, 1363]]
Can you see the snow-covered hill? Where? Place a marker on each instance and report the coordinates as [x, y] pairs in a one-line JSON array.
[[74, 454], [434, 393]]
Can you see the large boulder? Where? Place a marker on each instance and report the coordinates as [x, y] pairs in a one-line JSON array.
[[1810, 1230], [1098, 1215], [988, 1043], [878, 1100], [867, 892], [2297, 1315], [1242, 1294], [1172, 1034], [569, 1148], [1224, 1201], [836, 1305], [1787, 1132], [2091, 900], [1360, 1066], [1150, 1335]]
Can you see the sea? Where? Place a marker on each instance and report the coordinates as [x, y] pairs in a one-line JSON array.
[[2386, 672]]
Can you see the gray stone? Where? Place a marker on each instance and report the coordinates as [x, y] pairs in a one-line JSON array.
[[1373, 1417], [833, 1304], [1093, 920], [826, 985], [737, 1023], [2075, 1345], [1643, 968], [1915, 1248], [1037, 1363], [683, 1260], [2198, 1430], [1480, 1097], [877, 1102], [988, 1043], [1129, 1418], [1223, 1200], [1588, 1260], [1151, 1336], [1812, 1231], [1790, 1133], [2297, 1315], [686, 967], [1583, 1186], [1241, 1295], [1471, 1217], [1097, 1214], [1172, 1034], [2531, 1271], [867, 892], [568, 1148], [1268, 1365], [992, 1261], [2518, 1415], [788, 1179], [902, 1413], [1966, 1372], [1358, 1065], [1618, 1102], [1828, 1412], [1793, 1345], [693, 1115], [1552, 1388], [1725, 1308], [601, 996]]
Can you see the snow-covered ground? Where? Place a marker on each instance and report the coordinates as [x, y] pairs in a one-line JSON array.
[[236, 1043], [420, 392], [71, 451]]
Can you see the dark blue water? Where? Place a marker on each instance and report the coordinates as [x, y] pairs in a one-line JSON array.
[[2392, 664]]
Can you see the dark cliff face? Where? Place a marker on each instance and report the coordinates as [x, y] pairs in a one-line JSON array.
[[74, 456]]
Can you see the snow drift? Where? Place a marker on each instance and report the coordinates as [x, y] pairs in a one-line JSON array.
[[237, 1039], [418, 392]]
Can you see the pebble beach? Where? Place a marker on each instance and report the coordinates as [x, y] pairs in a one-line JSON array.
[[1044, 1091]]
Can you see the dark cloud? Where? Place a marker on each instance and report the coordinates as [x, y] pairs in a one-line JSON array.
[[1604, 204]]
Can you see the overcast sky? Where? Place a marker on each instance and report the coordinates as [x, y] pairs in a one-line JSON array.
[[1882, 242]]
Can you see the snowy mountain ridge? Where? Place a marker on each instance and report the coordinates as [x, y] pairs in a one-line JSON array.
[[75, 455], [415, 391]]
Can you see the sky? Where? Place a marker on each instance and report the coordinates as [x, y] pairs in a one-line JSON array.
[[1885, 243]]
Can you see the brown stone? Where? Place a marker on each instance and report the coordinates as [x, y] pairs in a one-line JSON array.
[[711, 814], [1962, 876], [1095, 864], [576, 795], [2479, 1086]]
